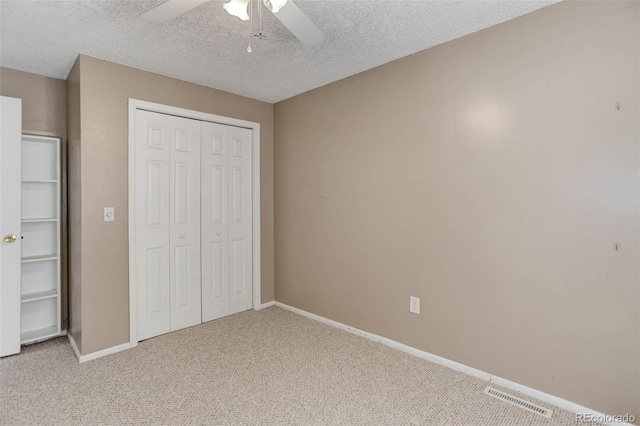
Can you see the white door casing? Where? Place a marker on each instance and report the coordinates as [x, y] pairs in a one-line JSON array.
[[226, 220], [185, 223], [248, 290], [10, 223]]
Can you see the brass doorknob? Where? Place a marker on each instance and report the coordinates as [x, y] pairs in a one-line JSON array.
[[9, 238]]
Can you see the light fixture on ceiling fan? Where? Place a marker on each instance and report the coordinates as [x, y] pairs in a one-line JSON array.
[[286, 11], [238, 8]]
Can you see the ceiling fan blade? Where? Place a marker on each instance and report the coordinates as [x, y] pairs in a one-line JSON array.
[[170, 10], [299, 24]]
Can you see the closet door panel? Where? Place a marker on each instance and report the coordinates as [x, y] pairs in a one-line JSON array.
[[153, 136], [184, 200], [215, 221], [241, 223]]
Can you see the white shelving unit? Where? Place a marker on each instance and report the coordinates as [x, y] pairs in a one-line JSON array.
[[40, 286]]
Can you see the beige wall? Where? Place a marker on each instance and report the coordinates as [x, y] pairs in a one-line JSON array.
[[43, 101], [75, 208], [43, 113], [105, 88], [489, 176]]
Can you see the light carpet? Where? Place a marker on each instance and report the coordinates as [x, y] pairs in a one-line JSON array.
[[268, 367]]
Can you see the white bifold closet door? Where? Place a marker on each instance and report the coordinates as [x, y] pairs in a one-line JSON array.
[[167, 223], [226, 203], [193, 222]]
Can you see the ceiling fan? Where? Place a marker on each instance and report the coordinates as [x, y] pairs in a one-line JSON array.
[[285, 10]]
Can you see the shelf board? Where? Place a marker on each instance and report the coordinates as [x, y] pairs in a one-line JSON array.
[[40, 295], [39, 181], [40, 334], [39, 139], [29, 259], [39, 220]]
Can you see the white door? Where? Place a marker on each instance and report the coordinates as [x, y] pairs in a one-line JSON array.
[[10, 224], [153, 147], [227, 230], [240, 219], [184, 201], [215, 221], [167, 223]]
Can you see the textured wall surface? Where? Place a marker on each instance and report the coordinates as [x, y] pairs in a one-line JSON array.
[[43, 100], [44, 112], [105, 89], [489, 176]]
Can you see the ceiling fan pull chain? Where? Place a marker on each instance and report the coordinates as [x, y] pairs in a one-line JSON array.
[[249, 49], [260, 14]]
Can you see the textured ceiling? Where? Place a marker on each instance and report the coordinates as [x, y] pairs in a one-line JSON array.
[[207, 46]]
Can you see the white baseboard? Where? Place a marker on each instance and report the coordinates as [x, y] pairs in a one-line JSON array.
[[268, 304], [72, 342], [539, 395], [95, 355]]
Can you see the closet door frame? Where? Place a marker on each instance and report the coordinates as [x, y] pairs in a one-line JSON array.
[[136, 104]]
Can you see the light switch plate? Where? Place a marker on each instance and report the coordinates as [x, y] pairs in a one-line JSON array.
[[414, 305], [109, 214]]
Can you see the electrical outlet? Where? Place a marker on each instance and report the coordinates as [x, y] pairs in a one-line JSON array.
[[414, 304]]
